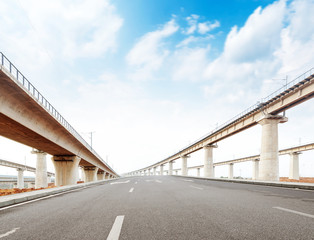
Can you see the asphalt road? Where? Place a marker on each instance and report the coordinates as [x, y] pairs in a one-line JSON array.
[[164, 207]]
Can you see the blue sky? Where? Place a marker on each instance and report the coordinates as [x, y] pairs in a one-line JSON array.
[[151, 76]]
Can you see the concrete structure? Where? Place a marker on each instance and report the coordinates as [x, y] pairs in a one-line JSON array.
[[91, 174], [184, 169], [41, 169], [294, 166], [170, 172], [208, 161], [265, 113], [230, 175], [66, 168], [255, 169], [20, 178], [21, 168], [28, 118], [198, 172], [161, 170], [269, 162]]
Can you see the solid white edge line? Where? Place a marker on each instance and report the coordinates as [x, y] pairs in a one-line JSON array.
[[42, 198], [9, 233], [196, 187], [296, 212], [131, 190], [116, 228]]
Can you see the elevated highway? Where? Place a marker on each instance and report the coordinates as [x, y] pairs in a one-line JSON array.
[[266, 113], [28, 118]]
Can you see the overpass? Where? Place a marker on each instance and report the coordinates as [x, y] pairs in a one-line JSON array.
[[21, 168], [28, 118], [266, 113], [292, 151]]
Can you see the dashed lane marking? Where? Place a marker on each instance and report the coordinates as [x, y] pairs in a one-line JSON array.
[[9, 233], [120, 182], [116, 228], [296, 212], [196, 187], [131, 190], [158, 181], [187, 180]]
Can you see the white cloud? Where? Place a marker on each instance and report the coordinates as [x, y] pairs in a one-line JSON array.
[[206, 27], [192, 22], [59, 28], [148, 53]]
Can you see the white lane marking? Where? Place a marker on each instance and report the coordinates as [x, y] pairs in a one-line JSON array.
[[120, 182], [188, 180], [158, 181], [42, 198], [296, 212], [149, 180], [135, 182], [9, 233], [116, 228], [131, 190], [196, 187]]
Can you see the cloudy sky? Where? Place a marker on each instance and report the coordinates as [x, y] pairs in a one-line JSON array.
[[150, 77]]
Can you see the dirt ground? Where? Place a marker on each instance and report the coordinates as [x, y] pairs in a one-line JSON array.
[[302, 179], [4, 192]]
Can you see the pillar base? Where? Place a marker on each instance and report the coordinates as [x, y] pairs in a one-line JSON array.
[[66, 168]]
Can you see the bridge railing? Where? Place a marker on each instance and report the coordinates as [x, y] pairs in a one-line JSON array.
[[30, 89], [253, 108]]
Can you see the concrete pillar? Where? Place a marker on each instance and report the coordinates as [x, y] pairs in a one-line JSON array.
[[176, 172], [294, 166], [49, 178], [20, 178], [154, 171], [184, 168], [145, 173], [90, 173], [82, 174], [198, 172], [106, 175], [255, 167], [161, 169], [100, 175], [41, 169], [66, 168], [208, 161], [170, 168], [230, 171], [269, 161]]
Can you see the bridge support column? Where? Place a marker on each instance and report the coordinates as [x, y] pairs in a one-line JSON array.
[[230, 171], [184, 168], [294, 166], [66, 168], [90, 173], [49, 178], [161, 169], [269, 162], [106, 175], [170, 171], [154, 171], [41, 169], [208, 161], [198, 172], [20, 178], [176, 172], [255, 167], [100, 175]]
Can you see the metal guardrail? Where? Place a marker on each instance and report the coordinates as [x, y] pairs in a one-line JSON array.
[[29, 87]]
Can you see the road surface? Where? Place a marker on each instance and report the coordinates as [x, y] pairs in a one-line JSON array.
[[165, 207]]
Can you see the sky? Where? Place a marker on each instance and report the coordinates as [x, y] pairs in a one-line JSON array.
[[150, 77]]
